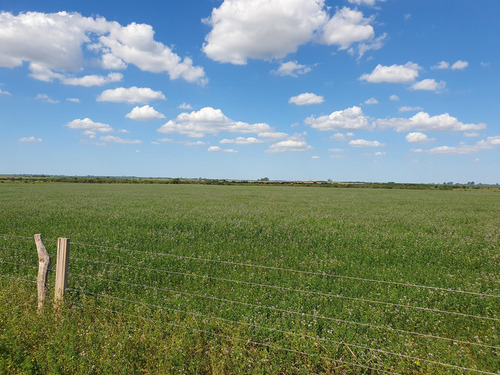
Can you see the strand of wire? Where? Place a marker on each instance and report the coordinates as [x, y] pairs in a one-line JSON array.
[[24, 237], [31, 251], [17, 279], [277, 287], [198, 314], [292, 312], [249, 341], [18, 264], [293, 270], [22, 264]]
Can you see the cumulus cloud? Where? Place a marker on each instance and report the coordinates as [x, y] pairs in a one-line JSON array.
[[306, 98], [365, 2], [292, 68], [271, 135], [30, 139], [417, 137], [371, 101], [46, 99], [347, 119], [485, 144], [409, 109], [394, 98], [347, 27], [341, 136], [89, 127], [267, 29], [130, 95], [422, 121], [92, 80], [295, 143], [2, 92], [185, 106], [51, 44], [144, 113], [241, 141], [261, 29], [219, 149], [365, 143], [441, 65], [73, 100], [459, 65], [393, 74], [429, 85], [114, 139], [209, 121]]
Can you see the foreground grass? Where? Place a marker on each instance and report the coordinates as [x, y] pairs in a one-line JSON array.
[[140, 301]]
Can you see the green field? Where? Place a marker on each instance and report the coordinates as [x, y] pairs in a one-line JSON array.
[[252, 279]]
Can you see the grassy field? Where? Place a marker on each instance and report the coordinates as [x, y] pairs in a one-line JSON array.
[[252, 279]]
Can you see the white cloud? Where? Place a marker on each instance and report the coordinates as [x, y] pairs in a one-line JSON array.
[[114, 139], [267, 29], [306, 98], [316, 157], [92, 80], [409, 109], [73, 100], [185, 106], [346, 27], [379, 153], [416, 137], [459, 65], [109, 61], [394, 98], [341, 136], [219, 149], [471, 135], [261, 29], [272, 135], [130, 95], [51, 44], [89, 127], [347, 119], [30, 139], [372, 44], [488, 144], [337, 157], [295, 143], [144, 113], [365, 143], [429, 85], [371, 101], [393, 74], [4, 92], [291, 68], [441, 65], [365, 2], [46, 99], [422, 121], [209, 121], [241, 141]]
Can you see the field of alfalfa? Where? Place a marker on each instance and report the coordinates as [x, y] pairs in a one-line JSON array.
[[193, 279]]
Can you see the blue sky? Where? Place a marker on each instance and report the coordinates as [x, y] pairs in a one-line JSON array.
[[347, 90]]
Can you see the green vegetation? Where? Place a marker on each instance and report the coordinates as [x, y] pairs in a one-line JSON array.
[[140, 302]]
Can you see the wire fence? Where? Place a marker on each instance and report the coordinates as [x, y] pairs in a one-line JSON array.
[[104, 278]]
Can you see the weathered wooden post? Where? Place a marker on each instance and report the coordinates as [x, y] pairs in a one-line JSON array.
[[43, 269], [61, 269]]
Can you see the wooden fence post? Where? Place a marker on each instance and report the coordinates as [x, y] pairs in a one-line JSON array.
[[61, 269], [43, 269]]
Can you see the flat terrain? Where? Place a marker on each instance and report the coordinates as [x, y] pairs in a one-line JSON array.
[[252, 279]]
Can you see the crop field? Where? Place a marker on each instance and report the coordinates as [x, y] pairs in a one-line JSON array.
[[185, 279]]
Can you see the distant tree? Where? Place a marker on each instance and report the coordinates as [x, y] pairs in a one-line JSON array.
[[264, 179]]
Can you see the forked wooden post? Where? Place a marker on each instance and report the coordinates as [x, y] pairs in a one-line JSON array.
[[43, 269], [61, 269]]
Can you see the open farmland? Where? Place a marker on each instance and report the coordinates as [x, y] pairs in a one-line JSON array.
[[252, 279]]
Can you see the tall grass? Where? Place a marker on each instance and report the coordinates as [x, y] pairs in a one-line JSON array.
[[164, 279]]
